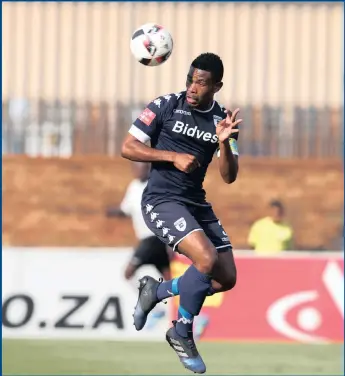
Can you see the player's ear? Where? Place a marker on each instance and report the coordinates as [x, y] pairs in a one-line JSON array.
[[218, 86]]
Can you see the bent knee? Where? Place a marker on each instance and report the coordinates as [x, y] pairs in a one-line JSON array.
[[230, 281], [207, 260]]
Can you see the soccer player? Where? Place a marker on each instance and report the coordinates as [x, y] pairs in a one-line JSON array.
[[185, 130], [150, 250]]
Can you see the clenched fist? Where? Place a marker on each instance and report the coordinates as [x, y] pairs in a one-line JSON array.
[[185, 162]]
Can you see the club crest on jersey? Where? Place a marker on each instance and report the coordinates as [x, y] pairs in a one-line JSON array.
[[216, 119], [180, 224]]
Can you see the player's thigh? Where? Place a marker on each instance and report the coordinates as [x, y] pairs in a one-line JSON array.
[[173, 223], [170, 221], [224, 270], [198, 248]]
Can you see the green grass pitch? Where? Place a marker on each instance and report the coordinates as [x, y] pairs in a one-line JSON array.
[[60, 357]]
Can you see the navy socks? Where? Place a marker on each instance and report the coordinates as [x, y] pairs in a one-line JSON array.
[[193, 288]]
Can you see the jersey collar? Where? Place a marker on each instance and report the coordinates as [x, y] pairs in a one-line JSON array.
[[210, 109]]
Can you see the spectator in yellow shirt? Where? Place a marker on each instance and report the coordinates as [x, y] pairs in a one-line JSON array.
[[271, 235]]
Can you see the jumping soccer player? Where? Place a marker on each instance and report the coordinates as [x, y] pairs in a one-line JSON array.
[[185, 131]]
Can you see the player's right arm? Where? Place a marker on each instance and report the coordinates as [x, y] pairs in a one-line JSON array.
[[137, 151], [147, 126]]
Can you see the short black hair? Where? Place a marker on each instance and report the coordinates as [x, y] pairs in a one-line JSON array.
[[212, 63], [277, 204]]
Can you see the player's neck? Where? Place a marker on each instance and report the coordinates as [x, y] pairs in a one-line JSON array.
[[205, 107]]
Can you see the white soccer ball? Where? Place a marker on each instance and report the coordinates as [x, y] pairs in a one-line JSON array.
[[151, 44]]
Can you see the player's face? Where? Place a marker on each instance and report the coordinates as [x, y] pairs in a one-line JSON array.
[[201, 88]]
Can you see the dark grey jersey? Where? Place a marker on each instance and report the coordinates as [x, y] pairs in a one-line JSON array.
[[169, 123]]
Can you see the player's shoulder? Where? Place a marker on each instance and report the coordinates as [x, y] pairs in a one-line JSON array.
[[219, 110], [168, 101]]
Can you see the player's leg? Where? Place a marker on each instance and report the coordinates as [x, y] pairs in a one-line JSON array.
[[139, 258], [174, 224], [166, 273], [130, 270], [170, 222], [193, 287], [161, 260], [224, 273], [133, 264]]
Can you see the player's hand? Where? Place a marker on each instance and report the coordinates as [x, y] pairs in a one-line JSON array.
[[228, 126], [185, 162]]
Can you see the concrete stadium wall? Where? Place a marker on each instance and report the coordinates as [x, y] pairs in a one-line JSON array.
[[61, 202]]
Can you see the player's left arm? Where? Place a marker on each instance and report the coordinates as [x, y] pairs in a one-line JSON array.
[[125, 208], [227, 132]]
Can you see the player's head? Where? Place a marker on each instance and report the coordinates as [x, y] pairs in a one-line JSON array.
[[141, 170], [204, 79], [276, 210]]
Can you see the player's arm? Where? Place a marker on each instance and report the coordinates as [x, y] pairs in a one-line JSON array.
[[115, 212], [125, 207], [147, 126], [227, 132], [136, 150]]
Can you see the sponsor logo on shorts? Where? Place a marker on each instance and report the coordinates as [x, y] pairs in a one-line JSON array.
[[180, 224]]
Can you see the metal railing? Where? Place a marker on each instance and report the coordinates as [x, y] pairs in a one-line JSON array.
[[71, 86]]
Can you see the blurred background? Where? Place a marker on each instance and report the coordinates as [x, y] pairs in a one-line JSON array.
[[70, 91]]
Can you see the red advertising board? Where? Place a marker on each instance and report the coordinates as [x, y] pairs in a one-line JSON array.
[[292, 298]]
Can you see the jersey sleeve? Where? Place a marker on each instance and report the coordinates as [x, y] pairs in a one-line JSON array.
[[150, 121]]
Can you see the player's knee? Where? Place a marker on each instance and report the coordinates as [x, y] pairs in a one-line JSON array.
[[230, 280], [206, 261]]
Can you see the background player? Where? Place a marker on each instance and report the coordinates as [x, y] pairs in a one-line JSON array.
[[185, 130], [150, 250]]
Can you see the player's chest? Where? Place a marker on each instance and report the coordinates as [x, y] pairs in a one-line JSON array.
[[192, 129]]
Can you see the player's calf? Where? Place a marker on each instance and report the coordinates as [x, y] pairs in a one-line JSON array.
[[195, 283], [224, 273]]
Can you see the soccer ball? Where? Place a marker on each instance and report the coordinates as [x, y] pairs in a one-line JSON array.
[[151, 44]]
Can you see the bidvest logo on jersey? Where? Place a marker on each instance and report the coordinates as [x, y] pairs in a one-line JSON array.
[[194, 132]]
